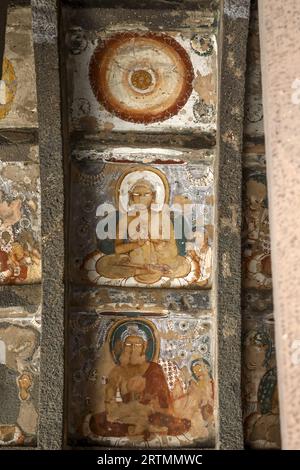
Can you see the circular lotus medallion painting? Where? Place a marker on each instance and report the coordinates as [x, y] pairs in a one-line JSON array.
[[142, 78]]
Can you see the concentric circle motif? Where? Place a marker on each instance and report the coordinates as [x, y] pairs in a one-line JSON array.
[[141, 78]]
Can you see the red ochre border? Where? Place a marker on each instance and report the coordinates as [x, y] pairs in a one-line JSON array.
[[129, 116]]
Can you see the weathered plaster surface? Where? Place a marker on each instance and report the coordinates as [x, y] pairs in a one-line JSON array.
[[20, 214], [27, 296], [259, 385], [19, 370], [281, 72], [21, 80], [86, 298]]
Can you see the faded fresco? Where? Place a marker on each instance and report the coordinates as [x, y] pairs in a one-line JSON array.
[[141, 369], [149, 245], [141, 381], [256, 232], [131, 78], [19, 381], [18, 103], [101, 299], [260, 392], [8, 87], [20, 257], [257, 302]]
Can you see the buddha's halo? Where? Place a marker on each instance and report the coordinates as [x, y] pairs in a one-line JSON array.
[[155, 180]]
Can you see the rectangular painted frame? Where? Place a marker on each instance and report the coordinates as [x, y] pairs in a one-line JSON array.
[[46, 26]]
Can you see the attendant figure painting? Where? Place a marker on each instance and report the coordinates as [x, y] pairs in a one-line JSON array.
[[256, 237], [260, 393], [20, 258], [19, 369]]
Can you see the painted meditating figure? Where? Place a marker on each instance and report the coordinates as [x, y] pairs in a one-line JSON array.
[[137, 398], [145, 247], [144, 383]]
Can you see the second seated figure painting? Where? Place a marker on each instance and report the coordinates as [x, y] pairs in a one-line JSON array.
[[142, 225], [143, 382]]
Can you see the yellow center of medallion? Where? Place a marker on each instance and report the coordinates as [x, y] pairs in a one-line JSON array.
[[141, 79]]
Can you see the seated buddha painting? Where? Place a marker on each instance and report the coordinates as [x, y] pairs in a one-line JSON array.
[[150, 226], [142, 382]]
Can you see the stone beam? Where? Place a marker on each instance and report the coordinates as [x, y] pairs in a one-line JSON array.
[[45, 29], [232, 89]]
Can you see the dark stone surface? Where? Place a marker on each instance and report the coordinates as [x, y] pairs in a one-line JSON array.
[[98, 18], [166, 139], [12, 140], [171, 4], [254, 121], [52, 184], [235, 31], [18, 3]]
